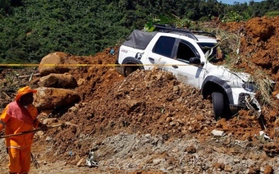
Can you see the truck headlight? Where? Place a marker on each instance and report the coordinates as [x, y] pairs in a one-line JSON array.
[[250, 86]]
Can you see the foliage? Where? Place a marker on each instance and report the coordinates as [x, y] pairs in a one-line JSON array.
[[31, 29], [235, 16], [265, 86], [272, 13]]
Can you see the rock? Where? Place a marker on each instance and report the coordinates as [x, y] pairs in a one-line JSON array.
[[48, 138], [53, 63], [157, 161], [217, 133], [58, 81], [52, 98]]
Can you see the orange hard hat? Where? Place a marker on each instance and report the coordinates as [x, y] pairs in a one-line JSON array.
[[23, 91]]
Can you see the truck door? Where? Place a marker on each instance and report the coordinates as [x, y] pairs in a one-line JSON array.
[[185, 72], [162, 53]]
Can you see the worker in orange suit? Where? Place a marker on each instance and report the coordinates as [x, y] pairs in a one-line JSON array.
[[19, 116]]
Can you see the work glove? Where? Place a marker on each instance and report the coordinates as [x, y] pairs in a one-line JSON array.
[[43, 127]]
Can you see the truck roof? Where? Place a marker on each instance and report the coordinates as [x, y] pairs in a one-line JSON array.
[[140, 39], [206, 39]]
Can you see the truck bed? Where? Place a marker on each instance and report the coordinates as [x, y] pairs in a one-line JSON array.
[[139, 39]]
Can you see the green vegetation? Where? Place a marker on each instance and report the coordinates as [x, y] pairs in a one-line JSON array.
[[31, 29], [272, 13]]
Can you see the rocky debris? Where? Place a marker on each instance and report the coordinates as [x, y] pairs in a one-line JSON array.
[[131, 152], [259, 46]]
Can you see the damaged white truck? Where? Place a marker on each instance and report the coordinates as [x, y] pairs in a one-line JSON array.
[[189, 57]]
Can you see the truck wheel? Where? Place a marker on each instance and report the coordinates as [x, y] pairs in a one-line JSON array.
[[128, 70], [218, 104]]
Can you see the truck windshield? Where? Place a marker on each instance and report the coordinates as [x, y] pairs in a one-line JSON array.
[[206, 47]]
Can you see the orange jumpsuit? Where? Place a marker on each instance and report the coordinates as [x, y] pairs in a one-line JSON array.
[[17, 119]]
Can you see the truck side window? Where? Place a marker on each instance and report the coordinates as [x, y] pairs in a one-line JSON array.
[[184, 52], [164, 46]]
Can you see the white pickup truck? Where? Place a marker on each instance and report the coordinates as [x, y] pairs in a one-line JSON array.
[[188, 56]]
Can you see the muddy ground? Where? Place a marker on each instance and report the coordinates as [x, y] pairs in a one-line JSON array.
[[149, 122]]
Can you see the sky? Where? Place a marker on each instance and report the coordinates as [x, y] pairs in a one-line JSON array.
[[240, 1]]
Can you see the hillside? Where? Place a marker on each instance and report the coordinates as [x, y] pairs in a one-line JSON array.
[[151, 123]]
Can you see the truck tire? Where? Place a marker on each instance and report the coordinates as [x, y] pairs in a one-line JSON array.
[[218, 104], [128, 70]]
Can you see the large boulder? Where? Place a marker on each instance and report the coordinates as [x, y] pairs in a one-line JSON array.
[[58, 81], [57, 62], [53, 98]]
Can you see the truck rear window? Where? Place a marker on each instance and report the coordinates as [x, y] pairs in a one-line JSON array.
[[164, 46]]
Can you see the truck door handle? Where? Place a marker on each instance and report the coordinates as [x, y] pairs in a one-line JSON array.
[[175, 66], [151, 60]]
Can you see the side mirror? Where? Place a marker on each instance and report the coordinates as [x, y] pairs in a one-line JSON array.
[[196, 61]]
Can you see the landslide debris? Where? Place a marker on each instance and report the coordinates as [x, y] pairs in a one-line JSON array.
[[153, 106]]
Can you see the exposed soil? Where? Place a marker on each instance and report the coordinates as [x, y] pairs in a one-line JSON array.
[[149, 122]]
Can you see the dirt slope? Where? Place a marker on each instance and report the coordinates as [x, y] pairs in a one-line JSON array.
[[151, 123]]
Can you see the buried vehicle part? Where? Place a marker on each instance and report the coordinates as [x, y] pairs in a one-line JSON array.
[[218, 104], [129, 69], [253, 105], [130, 65]]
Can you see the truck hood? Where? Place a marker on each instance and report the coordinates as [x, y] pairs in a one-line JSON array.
[[241, 75], [233, 78]]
